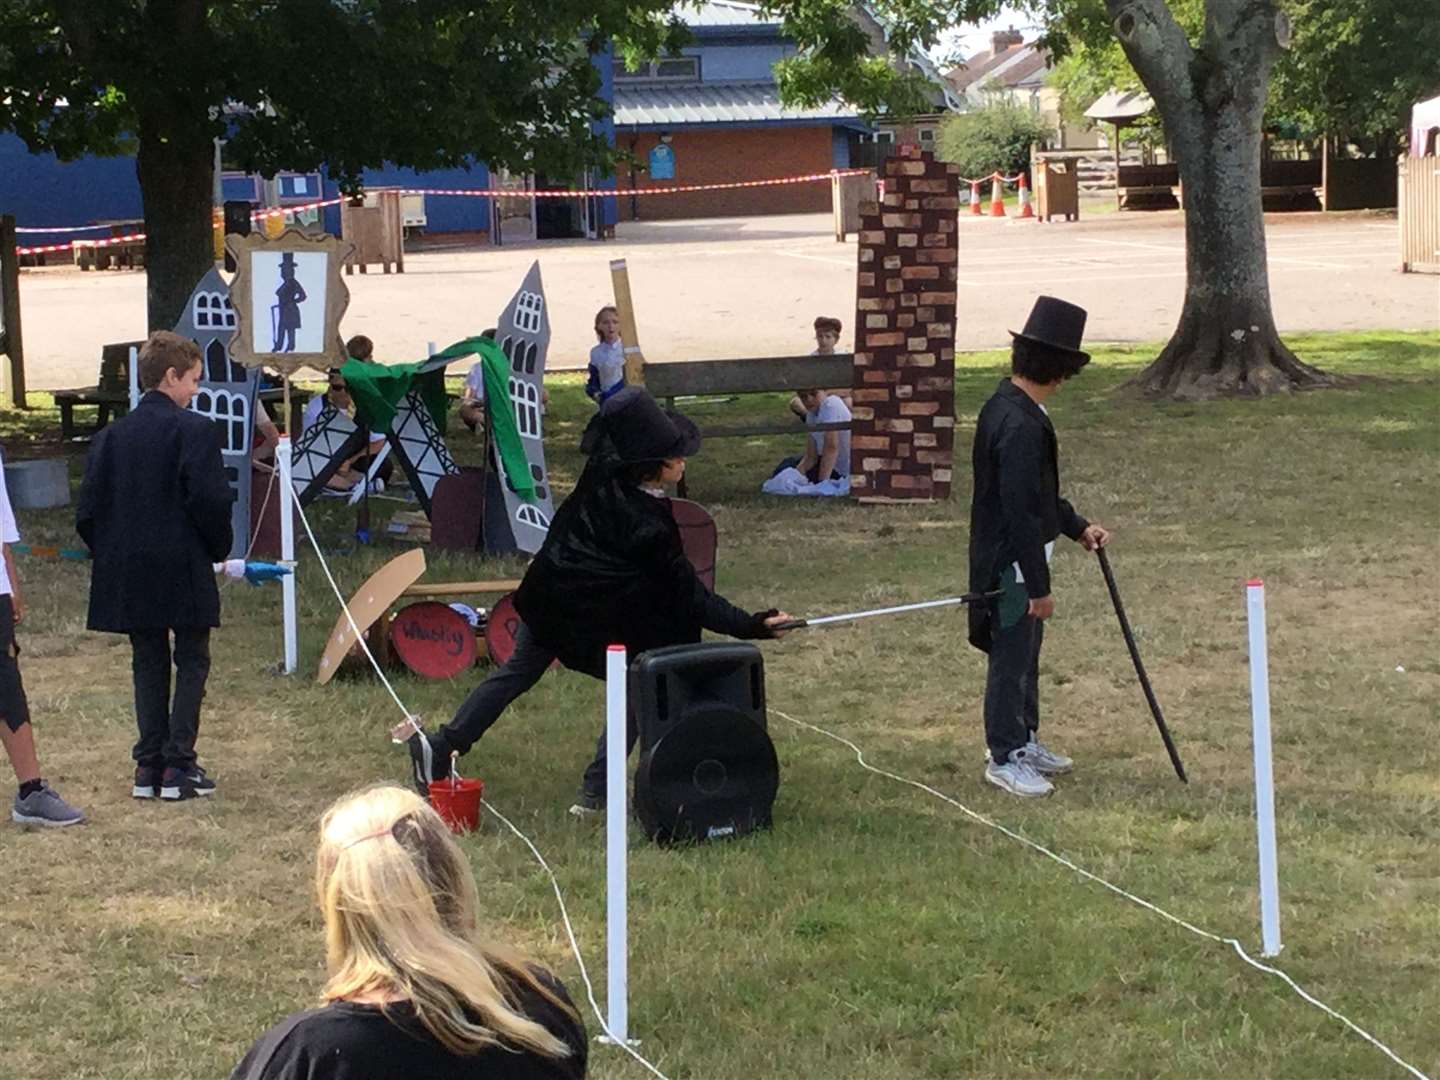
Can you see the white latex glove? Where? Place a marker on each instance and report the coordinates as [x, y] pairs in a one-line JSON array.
[[231, 568]]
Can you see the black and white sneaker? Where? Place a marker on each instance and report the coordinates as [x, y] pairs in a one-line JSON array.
[[423, 760], [177, 784], [147, 781]]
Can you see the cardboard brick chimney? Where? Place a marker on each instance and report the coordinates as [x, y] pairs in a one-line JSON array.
[[903, 433]]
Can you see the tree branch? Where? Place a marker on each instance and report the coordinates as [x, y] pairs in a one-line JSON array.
[[1158, 50]]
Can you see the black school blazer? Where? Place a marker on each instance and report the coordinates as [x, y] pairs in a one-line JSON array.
[[154, 509], [1016, 508]]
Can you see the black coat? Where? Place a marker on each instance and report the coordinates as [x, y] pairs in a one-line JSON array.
[[612, 571], [155, 512], [1016, 508]]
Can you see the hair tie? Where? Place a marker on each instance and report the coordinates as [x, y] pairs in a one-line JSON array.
[[368, 836]]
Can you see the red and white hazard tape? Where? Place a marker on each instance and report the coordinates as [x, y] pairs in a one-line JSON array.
[[60, 228], [69, 244], [489, 193], [280, 211], [616, 193]]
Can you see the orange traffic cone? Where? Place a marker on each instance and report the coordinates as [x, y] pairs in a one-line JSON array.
[[1026, 210], [975, 197], [997, 203]]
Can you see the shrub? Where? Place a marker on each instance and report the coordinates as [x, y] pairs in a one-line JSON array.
[[996, 138]]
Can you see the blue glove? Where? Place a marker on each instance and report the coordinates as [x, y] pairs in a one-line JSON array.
[[257, 573]]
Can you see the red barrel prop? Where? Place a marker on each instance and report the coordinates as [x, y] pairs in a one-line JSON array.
[[433, 640], [500, 629]]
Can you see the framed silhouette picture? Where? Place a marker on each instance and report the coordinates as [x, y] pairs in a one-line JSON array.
[[289, 297]]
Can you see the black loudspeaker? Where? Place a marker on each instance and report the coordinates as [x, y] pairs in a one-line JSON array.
[[236, 220], [707, 768]]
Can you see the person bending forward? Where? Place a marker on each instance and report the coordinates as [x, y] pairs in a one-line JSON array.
[[612, 571]]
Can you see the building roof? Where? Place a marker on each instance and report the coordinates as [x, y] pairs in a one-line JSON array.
[[658, 104], [1120, 106], [725, 13], [1009, 67]]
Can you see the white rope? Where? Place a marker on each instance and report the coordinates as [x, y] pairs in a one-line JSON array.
[[574, 947], [1239, 949], [359, 635], [415, 723], [260, 518]]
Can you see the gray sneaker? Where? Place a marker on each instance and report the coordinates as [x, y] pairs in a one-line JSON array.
[[1046, 761], [44, 807], [1018, 776]]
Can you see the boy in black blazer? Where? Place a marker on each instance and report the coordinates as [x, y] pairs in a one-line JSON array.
[[154, 509], [1016, 513]]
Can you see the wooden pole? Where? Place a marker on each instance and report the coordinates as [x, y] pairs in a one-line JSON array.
[[12, 339], [629, 335]]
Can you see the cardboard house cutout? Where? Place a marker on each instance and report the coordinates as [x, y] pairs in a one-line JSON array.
[[227, 392], [523, 334]]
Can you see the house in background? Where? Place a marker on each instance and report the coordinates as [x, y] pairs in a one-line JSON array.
[[870, 149], [713, 115], [1016, 72]]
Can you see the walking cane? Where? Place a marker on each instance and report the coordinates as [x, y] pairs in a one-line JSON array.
[[849, 616], [1139, 666]]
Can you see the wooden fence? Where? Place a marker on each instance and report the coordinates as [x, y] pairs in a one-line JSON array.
[[1419, 190], [12, 343]]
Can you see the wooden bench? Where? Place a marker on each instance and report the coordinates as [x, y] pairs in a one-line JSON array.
[[110, 396], [750, 375]]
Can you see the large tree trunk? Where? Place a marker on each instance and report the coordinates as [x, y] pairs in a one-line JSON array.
[[1226, 341], [176, 163], [177, 189], [1212, 102]]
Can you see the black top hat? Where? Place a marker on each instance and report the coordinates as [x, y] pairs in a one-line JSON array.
[[640, 430], [1056, 325], [287, 260]]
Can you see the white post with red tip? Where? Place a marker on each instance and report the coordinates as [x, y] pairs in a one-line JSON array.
[[616, 915], [1264, 772]]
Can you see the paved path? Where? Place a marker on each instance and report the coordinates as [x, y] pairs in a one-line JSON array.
[[752, 286]]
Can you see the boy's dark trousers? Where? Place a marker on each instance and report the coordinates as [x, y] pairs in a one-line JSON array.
[[1012, 679], [168, 729], [530, 660]]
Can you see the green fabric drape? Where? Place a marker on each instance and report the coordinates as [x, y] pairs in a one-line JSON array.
[[378, 389]]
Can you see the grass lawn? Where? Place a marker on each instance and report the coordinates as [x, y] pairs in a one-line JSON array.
[[876, 931]]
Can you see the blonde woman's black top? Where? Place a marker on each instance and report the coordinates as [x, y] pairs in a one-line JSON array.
[[346, 1041]]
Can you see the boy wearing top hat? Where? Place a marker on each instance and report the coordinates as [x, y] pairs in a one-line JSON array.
[[612, 571], [1016, 512]]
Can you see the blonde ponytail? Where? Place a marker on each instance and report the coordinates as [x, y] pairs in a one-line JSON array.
[[400, 910]]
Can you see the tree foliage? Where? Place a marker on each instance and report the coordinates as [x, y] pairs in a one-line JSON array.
[[995, 138], [1356, 67], [342, 83]]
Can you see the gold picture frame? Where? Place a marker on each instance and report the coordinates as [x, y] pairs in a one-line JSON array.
[[279, 277]]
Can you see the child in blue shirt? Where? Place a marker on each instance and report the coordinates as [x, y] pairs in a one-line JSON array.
[[605, 374]]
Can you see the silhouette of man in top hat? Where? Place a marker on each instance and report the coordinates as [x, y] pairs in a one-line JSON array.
[[286, 312]]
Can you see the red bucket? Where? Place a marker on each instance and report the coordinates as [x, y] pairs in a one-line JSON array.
[[458, 802]]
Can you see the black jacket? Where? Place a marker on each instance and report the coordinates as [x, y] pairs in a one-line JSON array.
[[612, 571], [154, 510], [1016, 508]]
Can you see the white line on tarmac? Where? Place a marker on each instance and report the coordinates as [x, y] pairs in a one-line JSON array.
[[849, 264]]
